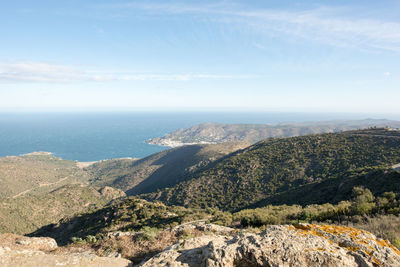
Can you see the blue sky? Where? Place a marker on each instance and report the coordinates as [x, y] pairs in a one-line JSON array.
[[197, 55]]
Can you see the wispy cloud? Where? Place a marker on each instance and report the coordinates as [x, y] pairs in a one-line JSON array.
[[53, 73], [38, 72], [324, 25]]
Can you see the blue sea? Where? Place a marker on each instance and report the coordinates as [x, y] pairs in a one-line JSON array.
[[97, 136]]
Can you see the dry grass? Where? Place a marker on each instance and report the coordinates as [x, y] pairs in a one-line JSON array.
[[137, 246], [134, 247], [383, 226]]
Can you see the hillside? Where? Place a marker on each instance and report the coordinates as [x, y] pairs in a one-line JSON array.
[[346, 178], [35, 173], [276, 165], [38, 188], [377, 180], [127, 214], [28, 213], [211, 133], [139, 229], [159, 170]]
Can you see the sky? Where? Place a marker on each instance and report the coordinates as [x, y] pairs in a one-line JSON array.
[[313, 56]]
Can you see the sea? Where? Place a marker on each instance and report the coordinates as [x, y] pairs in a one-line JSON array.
[[93, 136]]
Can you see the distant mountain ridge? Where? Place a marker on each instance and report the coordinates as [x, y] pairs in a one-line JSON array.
[[212, 133]]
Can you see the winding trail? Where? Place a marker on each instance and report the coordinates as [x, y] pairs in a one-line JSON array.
[[41, 185]]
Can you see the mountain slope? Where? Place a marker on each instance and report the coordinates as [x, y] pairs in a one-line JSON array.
[[377, 180], [38, 188], [159, 170], [127, 214], [277, 165], [35, 173], [28, 213]]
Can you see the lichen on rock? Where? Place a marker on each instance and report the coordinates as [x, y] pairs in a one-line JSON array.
[[284, 245]]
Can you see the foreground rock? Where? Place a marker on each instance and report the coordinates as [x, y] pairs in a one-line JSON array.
[[22, 251], [301, 245]]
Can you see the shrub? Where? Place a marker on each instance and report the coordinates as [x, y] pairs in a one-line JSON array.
[[148, 233]]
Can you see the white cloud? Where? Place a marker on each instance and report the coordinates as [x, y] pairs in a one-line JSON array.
[[38, 72], [319, 26], [53, 73], [387, 74], [324, 25]]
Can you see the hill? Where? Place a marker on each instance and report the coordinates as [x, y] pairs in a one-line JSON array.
[[35, 173], [318, 171], [211, 133], [277, 165], [377, 179], [127, 214], [38, 188], [139, 229], [159, 170], [28, 213]]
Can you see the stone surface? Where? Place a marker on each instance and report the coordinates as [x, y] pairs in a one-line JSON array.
[[300, 245], [23, 251], [23, 242]]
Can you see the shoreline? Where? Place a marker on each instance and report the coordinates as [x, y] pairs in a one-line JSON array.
[[174, 144], [80, 164]]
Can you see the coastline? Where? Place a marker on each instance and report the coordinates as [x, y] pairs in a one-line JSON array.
[[172, 143]]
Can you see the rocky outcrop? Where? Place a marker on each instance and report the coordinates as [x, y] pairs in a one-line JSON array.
[[42, 251], [396, 167], [112, 193], [300, 245]]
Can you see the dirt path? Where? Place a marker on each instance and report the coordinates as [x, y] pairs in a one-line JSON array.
[[59, 181], [22, 193], [41, 185]]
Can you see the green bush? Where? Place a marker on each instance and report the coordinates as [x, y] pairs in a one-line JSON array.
[[148, 233]]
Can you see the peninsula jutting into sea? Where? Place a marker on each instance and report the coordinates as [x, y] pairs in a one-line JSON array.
[[213, 133]]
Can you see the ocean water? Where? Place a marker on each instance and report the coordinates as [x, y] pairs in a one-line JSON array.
[[97, 136]]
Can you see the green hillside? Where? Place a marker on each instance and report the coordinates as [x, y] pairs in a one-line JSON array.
[[35, 173], [378, 180], [38, 188], [146, 221], [276, 165], [159, 170], [28, 213], [128, 214]]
